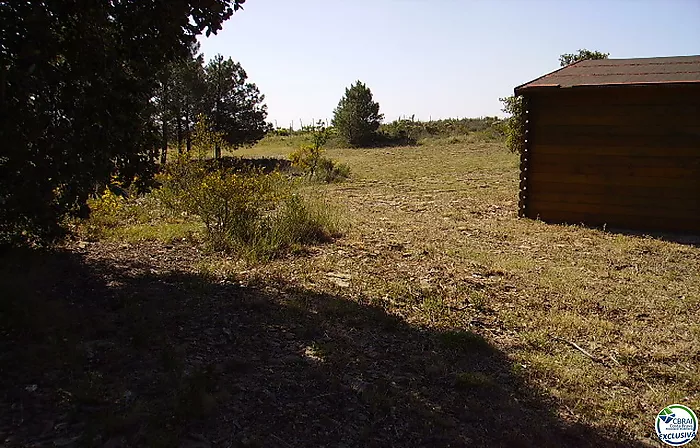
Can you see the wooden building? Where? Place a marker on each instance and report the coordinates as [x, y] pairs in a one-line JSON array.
[[616, 143]]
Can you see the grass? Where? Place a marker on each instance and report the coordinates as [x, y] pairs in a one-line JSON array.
[[165, 231], [437, 305], [442, 218]]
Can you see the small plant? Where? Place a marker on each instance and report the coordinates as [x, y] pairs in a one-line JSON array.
[[329, 171], [106, 209], [230, 204], [303, 220], [205, 140], [109, 210], [515, 124], [310, 160], [248, 212], [307, 157]]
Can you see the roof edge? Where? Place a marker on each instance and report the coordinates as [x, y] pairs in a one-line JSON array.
[[519, 91], [521, 86]]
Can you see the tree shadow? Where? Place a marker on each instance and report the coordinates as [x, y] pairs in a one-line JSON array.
[[263, 164], [684, 238], [107, 352]]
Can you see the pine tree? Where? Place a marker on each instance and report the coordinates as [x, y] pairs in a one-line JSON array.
[[357, 116]]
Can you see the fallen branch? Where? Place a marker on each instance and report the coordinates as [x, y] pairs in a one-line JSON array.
[[602, 361], [577, 347]]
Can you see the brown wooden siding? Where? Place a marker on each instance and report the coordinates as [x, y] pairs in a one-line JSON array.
[[623, 157]]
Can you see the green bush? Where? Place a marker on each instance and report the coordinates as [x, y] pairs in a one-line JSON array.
[[303, 220], [310, 161], [515, 125], [230, 204], [251, 213], [409, 131], [329, 171], [106, 211]]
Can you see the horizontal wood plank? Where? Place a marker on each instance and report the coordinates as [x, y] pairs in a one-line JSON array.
[[535, 186], [665, 149], [607, 138], [647, 96], [671, 129], [613, 209], [611, 170], [649, 115], [597, 179], [634, 160], [671, 205]]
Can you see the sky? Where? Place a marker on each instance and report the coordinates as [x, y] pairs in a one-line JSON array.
[[434, 58]]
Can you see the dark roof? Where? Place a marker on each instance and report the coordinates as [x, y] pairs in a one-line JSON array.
[[611, 72]]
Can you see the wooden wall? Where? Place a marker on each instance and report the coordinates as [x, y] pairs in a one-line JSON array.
[[617, 156]]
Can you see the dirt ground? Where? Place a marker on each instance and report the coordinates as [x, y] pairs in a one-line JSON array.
[[440, 319]]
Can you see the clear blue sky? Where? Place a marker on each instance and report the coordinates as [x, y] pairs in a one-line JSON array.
[[434, 58]]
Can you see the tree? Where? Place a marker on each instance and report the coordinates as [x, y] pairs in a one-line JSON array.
[[179, 100], [357, 116], [512, 105], [189, 89], [515, 124], [76, 90], [582, 55], [235, 106]]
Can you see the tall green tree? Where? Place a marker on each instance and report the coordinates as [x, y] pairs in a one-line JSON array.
[[179, 100], [77, 80], [190, 90], [235, 106], [582, 55], [357, 116]]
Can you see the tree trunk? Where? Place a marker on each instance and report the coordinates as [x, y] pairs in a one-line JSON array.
[[188, 132], [164, 147], [217, 151], [179, 132]]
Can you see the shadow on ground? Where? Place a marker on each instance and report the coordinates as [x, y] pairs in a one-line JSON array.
[[116, 353], [264, 164], [684, 238]]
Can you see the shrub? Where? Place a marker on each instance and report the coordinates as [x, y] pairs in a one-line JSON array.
[[515, 124], [309, 158], [106, 210], [254, 214], [409, 131], [306, 159], [303, 220], [229, 203], [330, 171]]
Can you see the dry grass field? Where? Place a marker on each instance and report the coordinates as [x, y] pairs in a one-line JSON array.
[[436, 240], [439, 319]]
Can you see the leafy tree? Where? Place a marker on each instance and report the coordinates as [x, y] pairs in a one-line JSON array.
[[357, 116], [582, 55], [189, 88], [163, 102], [308, 156], [235, 106], [76, 86], [178, 100], [515, 124]]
